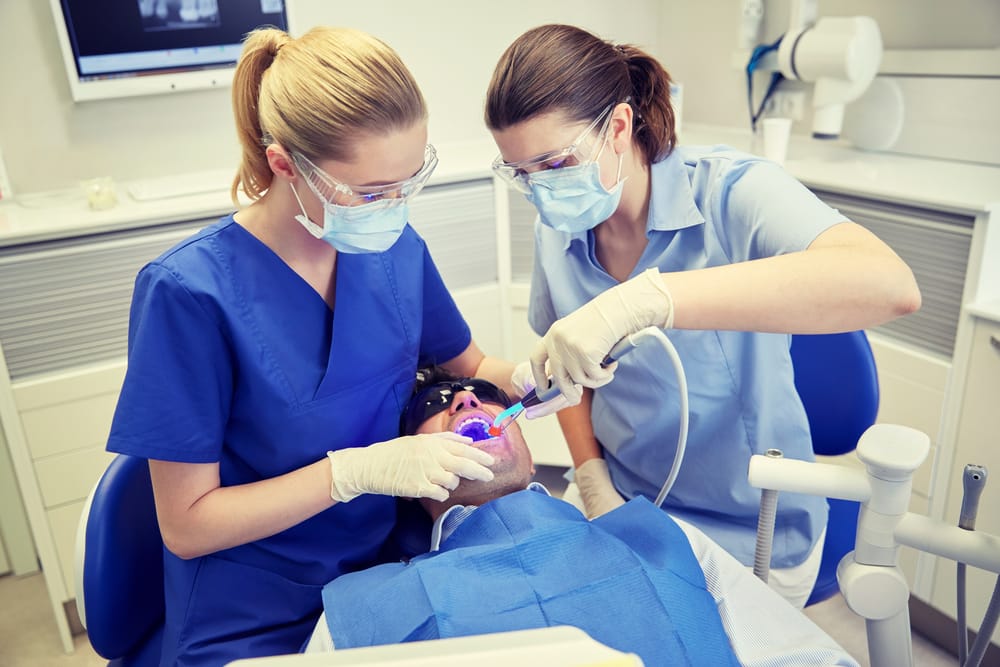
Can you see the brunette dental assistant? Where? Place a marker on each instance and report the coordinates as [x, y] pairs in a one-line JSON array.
[[271, 354], [723, 248]]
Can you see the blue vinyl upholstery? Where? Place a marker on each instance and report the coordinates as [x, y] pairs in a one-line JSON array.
[[122, 566]]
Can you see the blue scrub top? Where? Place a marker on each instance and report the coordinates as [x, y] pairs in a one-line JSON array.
[[709, 206], [233, 358]]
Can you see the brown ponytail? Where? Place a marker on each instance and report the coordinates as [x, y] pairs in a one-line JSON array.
[[654, 114], [563, 68], [315, 95]]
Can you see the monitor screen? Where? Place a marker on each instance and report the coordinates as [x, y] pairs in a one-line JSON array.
[[119, 48]]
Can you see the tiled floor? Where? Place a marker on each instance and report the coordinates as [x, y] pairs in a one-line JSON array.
[[28, 633], [848, 629], [28, 636]]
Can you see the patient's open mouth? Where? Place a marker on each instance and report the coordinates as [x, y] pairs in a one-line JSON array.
[[474, 427]]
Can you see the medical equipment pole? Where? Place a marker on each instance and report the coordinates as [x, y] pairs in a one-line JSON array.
[[870, 578]]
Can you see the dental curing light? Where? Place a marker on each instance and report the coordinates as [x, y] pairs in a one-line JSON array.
[[534, 397]]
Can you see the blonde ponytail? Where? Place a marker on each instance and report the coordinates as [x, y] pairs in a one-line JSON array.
[[315, 95], [259, 51]]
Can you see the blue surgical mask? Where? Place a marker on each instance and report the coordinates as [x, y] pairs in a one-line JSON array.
[[573, 199], [357, 229]]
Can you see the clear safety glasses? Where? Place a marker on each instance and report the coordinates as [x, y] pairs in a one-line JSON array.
[[334, 192], [581, 151]]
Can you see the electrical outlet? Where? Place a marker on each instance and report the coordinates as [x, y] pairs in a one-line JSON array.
[[788, 104]]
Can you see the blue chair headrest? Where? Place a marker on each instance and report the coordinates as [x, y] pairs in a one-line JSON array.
[[836, 378]]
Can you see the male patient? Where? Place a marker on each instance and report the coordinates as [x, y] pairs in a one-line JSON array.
[[505, 555]]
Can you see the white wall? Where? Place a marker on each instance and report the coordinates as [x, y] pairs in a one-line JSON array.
[[697, 40], [49, 142]]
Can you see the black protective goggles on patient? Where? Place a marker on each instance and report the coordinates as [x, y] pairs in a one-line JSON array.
[[437, 397]]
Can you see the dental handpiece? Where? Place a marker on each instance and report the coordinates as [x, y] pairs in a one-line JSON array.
[[537, 397], [973, 481]]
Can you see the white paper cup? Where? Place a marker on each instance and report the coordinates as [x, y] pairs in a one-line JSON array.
[[776, 133]]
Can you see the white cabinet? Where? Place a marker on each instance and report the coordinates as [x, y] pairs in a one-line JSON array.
[[977, 441], [64, 305]]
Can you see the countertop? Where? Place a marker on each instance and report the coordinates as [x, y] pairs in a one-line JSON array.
[[960, 187], [987, 309], [64, 213], [938, 184]]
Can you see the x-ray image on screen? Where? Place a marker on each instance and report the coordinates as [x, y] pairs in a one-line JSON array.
[[178, 14], [133, 47]]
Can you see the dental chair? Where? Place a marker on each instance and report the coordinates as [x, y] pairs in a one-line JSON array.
[[836, 379], [119, 566]]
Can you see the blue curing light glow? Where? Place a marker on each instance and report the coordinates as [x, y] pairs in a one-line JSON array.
[[476, 429], [512, 410]]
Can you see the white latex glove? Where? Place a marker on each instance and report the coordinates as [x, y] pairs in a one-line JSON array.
[[523, 382], [413, 466], [575, 346], [598, 492]]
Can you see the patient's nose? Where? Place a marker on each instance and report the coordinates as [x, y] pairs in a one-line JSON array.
[[464, 400]]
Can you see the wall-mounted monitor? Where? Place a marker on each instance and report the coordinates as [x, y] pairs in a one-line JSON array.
[[120, 48]]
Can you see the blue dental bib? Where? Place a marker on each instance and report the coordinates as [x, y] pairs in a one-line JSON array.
[[629, 579]]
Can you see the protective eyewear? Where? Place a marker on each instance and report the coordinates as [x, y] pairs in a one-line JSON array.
[[439, 396], [581, 151], [334, 192]]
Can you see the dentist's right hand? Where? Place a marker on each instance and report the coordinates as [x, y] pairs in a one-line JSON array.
[[575, 346], [428, 465]]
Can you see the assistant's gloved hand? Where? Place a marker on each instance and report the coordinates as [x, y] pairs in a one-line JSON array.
[[575, 346], [523, 382], [596, 489], [413, 466]]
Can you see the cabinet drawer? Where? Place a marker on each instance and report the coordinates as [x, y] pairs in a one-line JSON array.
[[70, 477], [70, 426], [69, 410]]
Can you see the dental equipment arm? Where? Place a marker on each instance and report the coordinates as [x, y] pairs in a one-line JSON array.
[[840, 55], [869, 577]]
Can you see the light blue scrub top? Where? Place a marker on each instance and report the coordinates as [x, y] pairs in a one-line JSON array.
[[235, 359], [709, 206]]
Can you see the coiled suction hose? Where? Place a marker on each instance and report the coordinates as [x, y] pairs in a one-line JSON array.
[[765, 526]]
